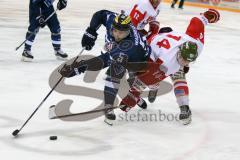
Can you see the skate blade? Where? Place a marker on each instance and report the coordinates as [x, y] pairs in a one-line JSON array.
[[109, 122], [51, 113], [25, 59], [151, 100], [186, 121], [61, 59]]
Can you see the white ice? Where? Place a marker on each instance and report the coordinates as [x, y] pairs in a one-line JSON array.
[[214, 82]]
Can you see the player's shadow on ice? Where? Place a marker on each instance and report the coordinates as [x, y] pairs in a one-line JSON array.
[[70, 142]]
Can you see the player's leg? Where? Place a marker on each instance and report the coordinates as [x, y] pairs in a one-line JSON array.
[[150, 78], [30, 36], [181, 4], [112, 83], [133, 96], [141, 103], [110, 93], [153, 92], [54, 26], [173, 3], [182, 95], [115, 73]]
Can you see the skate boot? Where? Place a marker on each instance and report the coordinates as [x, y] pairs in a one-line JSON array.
[[185, 116], [110, 116], [60, 55], [27, 56], [152, 95], [142, 103]]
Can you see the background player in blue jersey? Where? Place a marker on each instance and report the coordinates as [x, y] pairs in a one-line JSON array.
[[39, 10], [124, 46]]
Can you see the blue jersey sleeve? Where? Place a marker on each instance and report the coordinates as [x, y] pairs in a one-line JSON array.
[[100, 18], [36, 1], [40, 3]]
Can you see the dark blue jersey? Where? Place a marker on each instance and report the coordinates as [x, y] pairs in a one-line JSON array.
[[121, 56], [39, 7], [133, 45]]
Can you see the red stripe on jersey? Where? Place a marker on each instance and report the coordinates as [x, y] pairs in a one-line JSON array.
[[181, 91], [178, 82]]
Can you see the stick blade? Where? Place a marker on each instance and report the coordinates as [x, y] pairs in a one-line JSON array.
[[15, 133], [52, 114]]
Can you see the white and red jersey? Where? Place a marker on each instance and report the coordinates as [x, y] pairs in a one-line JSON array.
[[163, 60], [166, 46], [142, 13]]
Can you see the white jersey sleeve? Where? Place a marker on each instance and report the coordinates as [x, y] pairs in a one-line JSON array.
[[142, 13]]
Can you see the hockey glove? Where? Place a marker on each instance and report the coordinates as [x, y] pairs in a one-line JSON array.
[[61, 4], [89, 38], [41, 21], [154, 27], [165, 30], [186, 69], [76, 68], [212, 15]]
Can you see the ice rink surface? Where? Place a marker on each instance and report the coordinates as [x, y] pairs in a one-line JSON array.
[[214, 82]]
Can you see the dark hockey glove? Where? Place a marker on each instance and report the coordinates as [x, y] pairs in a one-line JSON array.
[[76, 68], [61, 4], [41, 21], [165, 30], [89, 38], [186, 69]]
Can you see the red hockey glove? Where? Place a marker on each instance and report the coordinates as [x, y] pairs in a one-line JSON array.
[[212, 15], [154, 27]]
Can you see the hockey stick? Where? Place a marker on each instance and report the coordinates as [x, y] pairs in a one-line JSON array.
[[15, 133], [36, 30], [54, 116]]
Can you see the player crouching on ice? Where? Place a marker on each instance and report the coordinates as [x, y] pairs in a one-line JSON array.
[[145, 12], [123, 45], [170, 52], [39, 11]]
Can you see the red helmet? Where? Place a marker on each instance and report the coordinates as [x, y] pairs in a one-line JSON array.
[[155, 3]]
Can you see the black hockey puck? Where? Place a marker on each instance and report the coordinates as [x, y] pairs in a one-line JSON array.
[[53, 137]]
